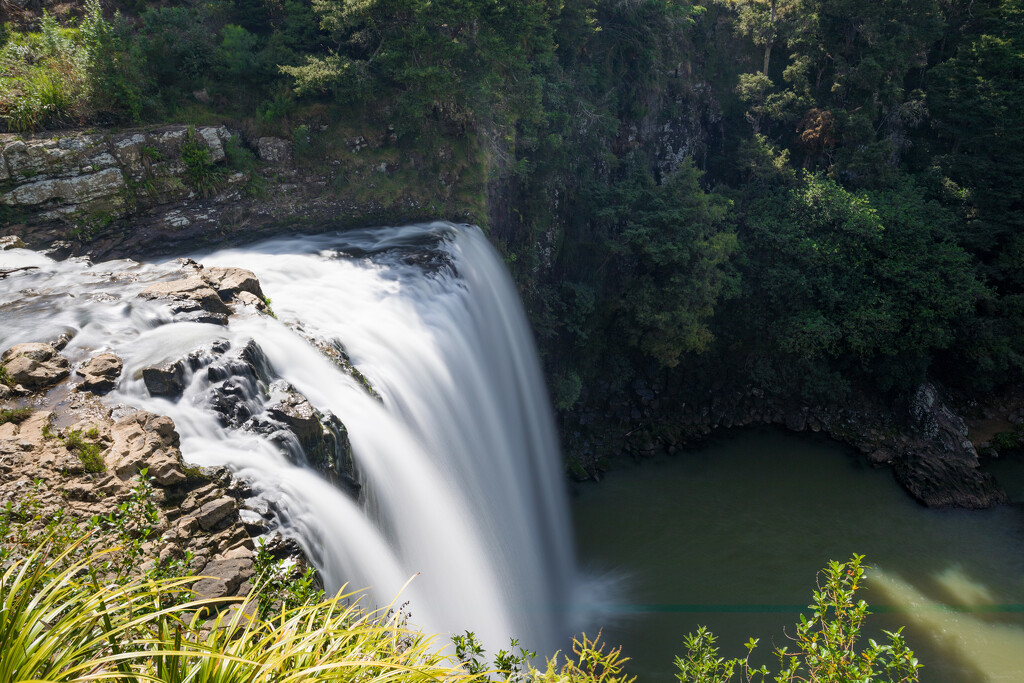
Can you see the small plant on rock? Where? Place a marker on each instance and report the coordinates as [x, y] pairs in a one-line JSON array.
[[15, 415], [200, 172], [89, 453]]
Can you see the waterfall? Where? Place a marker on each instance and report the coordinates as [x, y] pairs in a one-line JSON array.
[[462, 485]]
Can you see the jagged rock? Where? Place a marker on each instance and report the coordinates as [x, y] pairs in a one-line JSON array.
[[192, 295], [230, 281], [946, 482], [143, 440], [165, 380], [249, 299], [11, 241], [35, 365], [238, 385], [100, 373], [299, 416], [274, 150], [226, 576], [214, 512]]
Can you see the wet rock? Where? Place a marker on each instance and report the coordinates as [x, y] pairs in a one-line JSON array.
[[143, 440], [248, 299], [946, 482], [215, 512], [165, 380], [11, 242], [191, 296], [228, 282], [238, 385], [35, 365], [100, 373], [299, 416]]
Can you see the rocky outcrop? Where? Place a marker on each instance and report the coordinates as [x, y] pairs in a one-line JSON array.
[[100, 373], [144, 441], [229, 282], [190, 299], [196, 517], [204, 294], [87, 179], [34, 365]]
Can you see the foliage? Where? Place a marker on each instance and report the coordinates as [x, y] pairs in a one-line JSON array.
[[15, 415], [58, 622], [5, 377], [201, 174], [825, 645], [868, 285], [671, 242], [88, 451]]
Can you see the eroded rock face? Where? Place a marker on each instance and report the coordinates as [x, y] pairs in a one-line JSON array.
[[225, 578], [35, 365], [939, 464], [143, 440], [229, 282], [100, 373], [193, 297]]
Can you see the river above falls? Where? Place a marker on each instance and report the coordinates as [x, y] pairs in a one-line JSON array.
[[731, 537]]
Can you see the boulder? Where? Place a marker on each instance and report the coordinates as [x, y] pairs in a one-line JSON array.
[[946, 482], [143, 440], [214, 512], [299, 416], [100, 373], [274, 150], [190, 295], [166, 380], [230, 281], [35, 365], [12, 242], [224, 577]]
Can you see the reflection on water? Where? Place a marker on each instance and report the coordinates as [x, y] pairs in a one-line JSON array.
[[731, 537]]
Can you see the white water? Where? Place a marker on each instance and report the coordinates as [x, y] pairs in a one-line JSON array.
[[459, 461]]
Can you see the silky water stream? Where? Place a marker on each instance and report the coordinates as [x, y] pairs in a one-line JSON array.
[[462, 489]]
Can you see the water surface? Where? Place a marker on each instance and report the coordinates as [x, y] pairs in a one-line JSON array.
[[731, 537]]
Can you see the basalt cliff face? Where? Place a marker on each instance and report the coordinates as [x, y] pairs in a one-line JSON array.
[[173, 189]]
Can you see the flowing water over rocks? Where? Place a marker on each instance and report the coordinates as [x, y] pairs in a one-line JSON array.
[[401, 369]]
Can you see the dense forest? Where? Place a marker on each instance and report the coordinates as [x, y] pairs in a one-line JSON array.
[[812, 198]]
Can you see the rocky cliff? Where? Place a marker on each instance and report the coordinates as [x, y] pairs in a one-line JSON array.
[[176, 188]]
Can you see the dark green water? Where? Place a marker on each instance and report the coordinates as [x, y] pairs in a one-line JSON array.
[[732, 536]]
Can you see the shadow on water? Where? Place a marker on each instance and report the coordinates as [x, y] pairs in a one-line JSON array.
[[731, 537]]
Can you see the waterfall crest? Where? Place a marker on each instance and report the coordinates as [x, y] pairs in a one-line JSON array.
[[462, 485]]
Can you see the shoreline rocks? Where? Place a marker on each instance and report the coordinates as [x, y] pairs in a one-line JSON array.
[[922, 437]]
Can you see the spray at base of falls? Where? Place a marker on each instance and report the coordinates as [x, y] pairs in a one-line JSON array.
[[462, 484]]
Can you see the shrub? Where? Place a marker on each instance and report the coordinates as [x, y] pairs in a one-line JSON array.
[[200, 172], [824, 648]]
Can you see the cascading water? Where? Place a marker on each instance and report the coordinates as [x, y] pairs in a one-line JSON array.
[[458, 458]]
